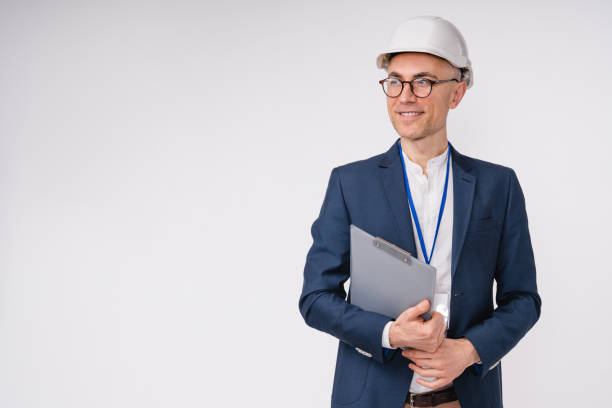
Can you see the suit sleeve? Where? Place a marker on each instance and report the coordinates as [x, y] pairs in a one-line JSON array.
[[322, 302], [518, 302]]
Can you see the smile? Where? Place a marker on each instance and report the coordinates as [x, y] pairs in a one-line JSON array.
[[410, 114]]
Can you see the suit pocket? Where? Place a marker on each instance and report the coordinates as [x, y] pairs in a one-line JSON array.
[[351, 374], [482, 224]]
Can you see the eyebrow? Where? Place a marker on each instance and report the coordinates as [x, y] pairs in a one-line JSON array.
[[420, 74]]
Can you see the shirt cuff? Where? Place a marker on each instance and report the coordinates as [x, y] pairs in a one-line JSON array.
[[385, 335]]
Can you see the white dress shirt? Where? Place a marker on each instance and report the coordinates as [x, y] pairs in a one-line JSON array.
[[426, 191]]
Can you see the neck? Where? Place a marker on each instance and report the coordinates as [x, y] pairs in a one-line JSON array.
[[421, 150]]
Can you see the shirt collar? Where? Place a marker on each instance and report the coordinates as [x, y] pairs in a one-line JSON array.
[[437, 162]]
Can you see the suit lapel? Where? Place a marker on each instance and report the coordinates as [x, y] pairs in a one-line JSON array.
[[464, 183], [463, 197], [392, 176]]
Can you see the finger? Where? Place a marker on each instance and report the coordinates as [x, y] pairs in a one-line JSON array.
[[415, 311], [429, 363], [437, 315], [425, 372], [436, 323], [442, 336], [437, 383], [416, 354], [436, 319]]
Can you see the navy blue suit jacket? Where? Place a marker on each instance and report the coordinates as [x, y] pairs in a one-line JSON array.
[[490, 241]]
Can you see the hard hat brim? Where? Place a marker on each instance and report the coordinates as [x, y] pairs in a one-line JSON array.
[[457, 61]]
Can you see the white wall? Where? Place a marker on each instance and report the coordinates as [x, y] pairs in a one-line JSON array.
[[161, 164]]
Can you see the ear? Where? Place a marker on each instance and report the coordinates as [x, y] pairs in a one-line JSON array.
[[457, 94]]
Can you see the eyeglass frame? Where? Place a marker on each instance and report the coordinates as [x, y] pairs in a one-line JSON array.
[[431, 84]]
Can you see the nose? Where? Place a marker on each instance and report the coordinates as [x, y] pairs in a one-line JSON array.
[[407, 95]]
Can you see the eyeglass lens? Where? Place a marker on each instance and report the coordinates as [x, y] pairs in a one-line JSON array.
[[393, 87]]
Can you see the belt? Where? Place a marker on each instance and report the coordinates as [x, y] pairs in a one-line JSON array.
[[432, 398]]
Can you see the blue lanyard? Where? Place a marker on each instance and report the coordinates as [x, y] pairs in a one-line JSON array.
[[413, 209]]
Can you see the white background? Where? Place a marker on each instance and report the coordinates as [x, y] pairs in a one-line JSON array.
[[161, 164]]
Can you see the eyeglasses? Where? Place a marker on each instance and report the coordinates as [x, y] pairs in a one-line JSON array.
[[420, 87]]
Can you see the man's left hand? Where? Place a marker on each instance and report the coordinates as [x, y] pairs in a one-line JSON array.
[[446, 363]]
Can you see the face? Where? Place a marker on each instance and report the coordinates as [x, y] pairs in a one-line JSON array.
[[430, 120]]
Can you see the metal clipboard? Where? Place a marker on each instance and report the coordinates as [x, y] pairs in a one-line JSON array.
[[385, 278]]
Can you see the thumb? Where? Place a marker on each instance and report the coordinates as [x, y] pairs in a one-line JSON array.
[[415, 311]]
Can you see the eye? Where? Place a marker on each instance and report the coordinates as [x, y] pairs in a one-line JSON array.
[[393, 81], [421, 82]]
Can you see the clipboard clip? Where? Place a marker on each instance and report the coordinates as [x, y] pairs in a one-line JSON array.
[[392, 250]]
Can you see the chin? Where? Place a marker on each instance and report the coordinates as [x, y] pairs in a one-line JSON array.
[[415, 138], [411, 135]]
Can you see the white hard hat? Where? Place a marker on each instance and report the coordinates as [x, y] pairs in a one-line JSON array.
[[432, 35]]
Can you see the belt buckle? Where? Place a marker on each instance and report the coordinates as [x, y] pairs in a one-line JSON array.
[[411, 400]]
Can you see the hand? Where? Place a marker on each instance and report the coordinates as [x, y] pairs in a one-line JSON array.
[[446, 363], [409, 329]]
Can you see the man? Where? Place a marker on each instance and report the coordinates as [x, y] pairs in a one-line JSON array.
[[464, 216]]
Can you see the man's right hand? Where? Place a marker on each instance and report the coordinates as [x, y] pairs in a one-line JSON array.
[[410, 330]]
